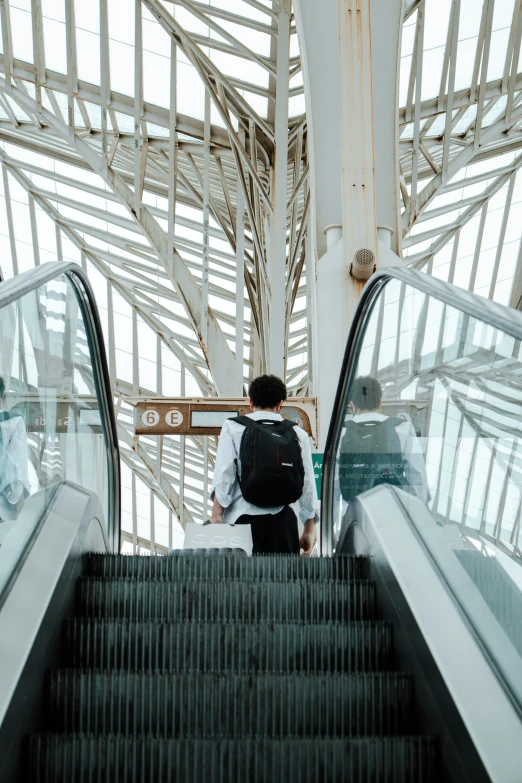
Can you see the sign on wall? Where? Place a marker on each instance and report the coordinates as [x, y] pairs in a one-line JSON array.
[[317, 462], [206, 416]]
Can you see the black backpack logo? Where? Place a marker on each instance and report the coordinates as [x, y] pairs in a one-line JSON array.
[[370, 455], [272, 470]]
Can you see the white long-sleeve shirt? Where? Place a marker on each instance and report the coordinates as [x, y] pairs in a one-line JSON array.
[[225, 485]]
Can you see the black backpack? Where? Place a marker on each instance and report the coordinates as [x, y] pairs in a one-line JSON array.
[[370, 455], [272, 470]]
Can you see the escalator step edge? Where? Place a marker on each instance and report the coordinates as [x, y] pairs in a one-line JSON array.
[[241, 704], [224, 599], [262, 567], [227, 646], [89, 759]]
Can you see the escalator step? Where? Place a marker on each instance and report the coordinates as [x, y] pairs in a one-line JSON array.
[[322, 647], [262, 567], [226, 600], [241, 705], [88, 759]]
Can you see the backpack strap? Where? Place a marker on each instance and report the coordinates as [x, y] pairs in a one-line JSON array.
[[246, 421], [6, 415], [390, 421], [393, 421]]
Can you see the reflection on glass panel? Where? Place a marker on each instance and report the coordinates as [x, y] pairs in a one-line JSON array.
[[50, 426], [441, 392], [434, 408]]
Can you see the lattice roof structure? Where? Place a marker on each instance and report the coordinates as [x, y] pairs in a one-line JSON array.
[[137, 138]]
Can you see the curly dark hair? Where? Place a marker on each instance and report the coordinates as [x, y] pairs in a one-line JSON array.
[[366, 393], [267, 391]]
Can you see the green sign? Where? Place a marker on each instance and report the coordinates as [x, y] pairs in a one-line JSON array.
[[317, 461]]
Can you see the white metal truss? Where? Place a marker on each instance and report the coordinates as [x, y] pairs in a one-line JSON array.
[[460, 147], [163, 144], [192, 230]]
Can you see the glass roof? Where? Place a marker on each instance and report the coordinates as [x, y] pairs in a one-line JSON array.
[[461, 114], [111, 113], [129, 133]]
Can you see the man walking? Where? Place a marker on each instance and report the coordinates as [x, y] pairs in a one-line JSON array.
[[263, 467]]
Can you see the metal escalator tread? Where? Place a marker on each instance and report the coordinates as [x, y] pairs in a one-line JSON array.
[[89, 759], [221, 599], [241, 704], [191, 668], [260, 567], [227, 646]]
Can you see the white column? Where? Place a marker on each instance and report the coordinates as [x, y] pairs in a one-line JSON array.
[[318, 31], [357, 151], [387, 21], [353, 159], [277, 260], [240, 289], [206, 219]]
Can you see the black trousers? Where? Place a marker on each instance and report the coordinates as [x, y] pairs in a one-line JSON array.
[[273, 533]]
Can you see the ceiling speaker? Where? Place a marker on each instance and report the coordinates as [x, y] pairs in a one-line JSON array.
[[363, 265]]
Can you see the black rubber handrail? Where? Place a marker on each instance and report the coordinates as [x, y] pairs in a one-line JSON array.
[[18, 286]]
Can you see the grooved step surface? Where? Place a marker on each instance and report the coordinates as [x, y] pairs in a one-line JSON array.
[[227, 600], [241, 705], [185, 646], [259, 567], [218, 668], [65, 758]]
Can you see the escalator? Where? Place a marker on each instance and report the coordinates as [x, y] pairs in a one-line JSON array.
[[59, 461], [442, 532], [224, 668], [392, 658]]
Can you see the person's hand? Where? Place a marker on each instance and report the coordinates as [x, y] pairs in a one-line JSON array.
[[307, 540], [216, 515]]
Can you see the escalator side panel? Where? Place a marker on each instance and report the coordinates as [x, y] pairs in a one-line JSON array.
[[32, 616], [430, 638]]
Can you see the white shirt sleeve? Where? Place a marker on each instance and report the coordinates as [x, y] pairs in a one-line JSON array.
[[225, 486], [411, 449], [16, 474], [308, 502]]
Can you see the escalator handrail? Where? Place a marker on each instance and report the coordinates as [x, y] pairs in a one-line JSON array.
[[22, 284], [401, 542], [505, 319], [503, 656]]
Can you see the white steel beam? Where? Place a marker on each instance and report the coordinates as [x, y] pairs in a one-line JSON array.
[[240, 289], [277, 257], [318, 29], [463, 158], [219, 356], [386, 30]]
